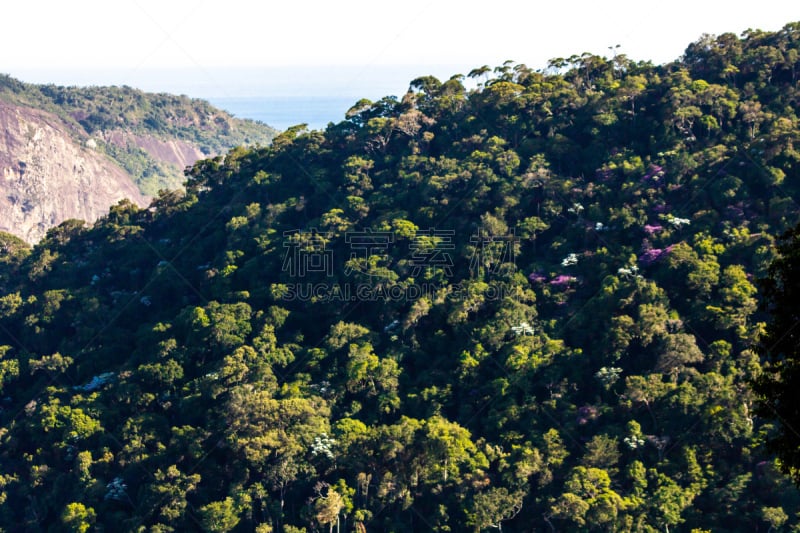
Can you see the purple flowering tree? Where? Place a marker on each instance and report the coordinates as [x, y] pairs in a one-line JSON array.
[[563, 280]]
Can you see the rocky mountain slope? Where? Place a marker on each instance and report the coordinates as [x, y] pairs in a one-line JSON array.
[[69, 152], [48, 177]]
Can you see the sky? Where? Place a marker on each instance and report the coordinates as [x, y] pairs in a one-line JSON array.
[[240, 47]]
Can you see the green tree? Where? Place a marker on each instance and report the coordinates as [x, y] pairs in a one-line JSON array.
[[219, 516], [167, 498], [77, 517], [774, 516], [494, 506]]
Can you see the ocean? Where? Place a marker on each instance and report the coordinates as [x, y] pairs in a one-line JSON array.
[[279, 96], [285, 111]]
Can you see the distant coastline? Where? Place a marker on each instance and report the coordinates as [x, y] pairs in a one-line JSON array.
[[281, 112], [279, 96]]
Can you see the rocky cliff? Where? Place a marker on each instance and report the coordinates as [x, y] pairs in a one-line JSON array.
[[72, 152], [47, 175], [175, 151]]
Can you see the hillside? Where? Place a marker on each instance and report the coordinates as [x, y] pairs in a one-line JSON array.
[[531, 305], [71, 152], [48, 177]]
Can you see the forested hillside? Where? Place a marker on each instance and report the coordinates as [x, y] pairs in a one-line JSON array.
[[529, 306], [151, 136]]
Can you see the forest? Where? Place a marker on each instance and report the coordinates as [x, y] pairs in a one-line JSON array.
[[516, 299]]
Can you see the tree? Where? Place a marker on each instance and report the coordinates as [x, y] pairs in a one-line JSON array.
[[679, 349], [328, 506], [448, 450], [167, 497], [602, 452], [571, 249], [774, 516], [219, 516], [778, 385], [737, 295], [273, 435], [593, 486], [494, 506], [77, 517]]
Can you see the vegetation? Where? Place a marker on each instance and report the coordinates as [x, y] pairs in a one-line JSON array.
[[98, 112], [779, 345], [549, 325]]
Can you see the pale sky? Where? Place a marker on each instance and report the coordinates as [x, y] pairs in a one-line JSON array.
[[53, 38]]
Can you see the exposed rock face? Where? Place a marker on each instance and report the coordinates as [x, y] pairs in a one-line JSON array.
[[175, 151], [48, 175]]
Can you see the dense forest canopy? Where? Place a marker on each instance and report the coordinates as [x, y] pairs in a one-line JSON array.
[[779, 347], [527, 306]]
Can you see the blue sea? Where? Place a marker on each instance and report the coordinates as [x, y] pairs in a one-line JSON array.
[[279, 96], [285, 111]]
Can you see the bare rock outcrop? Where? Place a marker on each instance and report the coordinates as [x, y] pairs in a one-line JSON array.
[[175, 151], [49, 174]]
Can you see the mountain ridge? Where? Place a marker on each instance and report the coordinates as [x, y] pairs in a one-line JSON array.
[[132, 140]]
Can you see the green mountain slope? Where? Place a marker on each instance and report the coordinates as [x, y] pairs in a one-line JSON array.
[[151, 136], [530, 305]]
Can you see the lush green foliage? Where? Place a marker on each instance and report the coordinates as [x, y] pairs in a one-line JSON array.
[[167, 370], [777, 385], [96, 111]]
